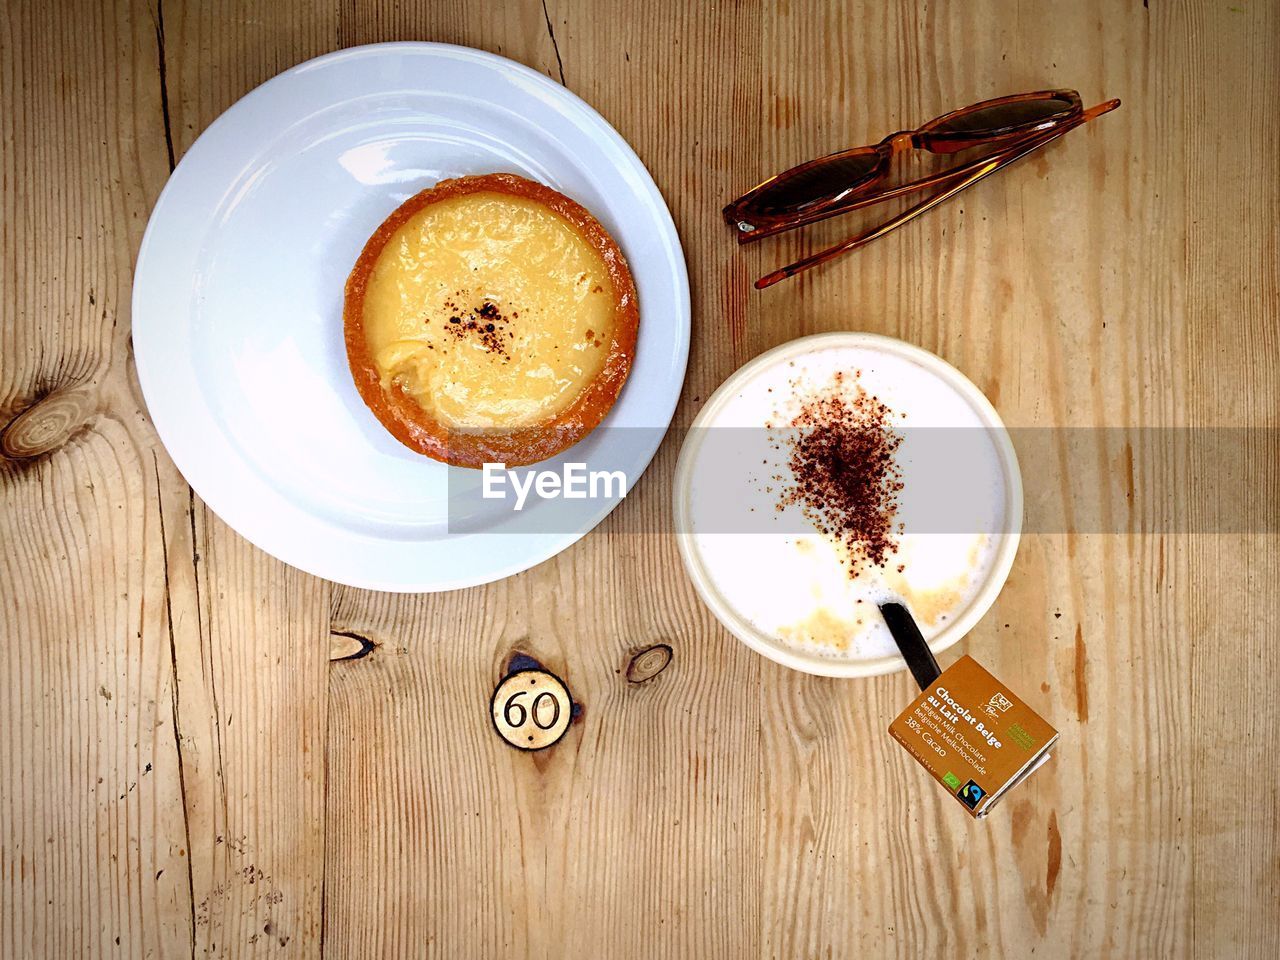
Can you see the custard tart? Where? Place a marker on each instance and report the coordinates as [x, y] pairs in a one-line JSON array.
[[490, 319]]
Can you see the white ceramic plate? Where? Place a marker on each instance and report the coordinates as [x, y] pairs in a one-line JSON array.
[[237, 304], [770, 646]]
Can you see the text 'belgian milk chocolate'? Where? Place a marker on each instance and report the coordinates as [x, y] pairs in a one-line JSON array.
[[974, 735]]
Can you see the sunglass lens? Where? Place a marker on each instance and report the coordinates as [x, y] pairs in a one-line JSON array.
[[1009, 116], [822, 181]]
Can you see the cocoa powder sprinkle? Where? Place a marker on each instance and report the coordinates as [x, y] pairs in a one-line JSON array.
[[840, 448], [486, 324]]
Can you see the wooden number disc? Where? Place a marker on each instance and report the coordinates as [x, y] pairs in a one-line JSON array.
[[531, 709]]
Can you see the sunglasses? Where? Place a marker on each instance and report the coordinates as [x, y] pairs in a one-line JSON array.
[[1008, 128]]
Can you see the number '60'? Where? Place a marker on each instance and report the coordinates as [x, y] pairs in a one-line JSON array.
[[514, 713]]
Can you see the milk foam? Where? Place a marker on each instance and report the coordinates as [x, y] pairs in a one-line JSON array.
[[793, 583]]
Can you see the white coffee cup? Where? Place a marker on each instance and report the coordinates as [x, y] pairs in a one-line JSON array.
[[979, 410]]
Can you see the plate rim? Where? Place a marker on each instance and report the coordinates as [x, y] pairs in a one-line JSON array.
[[553, 543]]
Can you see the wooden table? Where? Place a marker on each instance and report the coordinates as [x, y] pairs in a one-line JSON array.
[[192, 761]]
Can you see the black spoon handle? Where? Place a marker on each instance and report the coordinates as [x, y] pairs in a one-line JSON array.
[[911, 643]]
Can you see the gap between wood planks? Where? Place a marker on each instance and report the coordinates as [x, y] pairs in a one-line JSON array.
[[551, 32], [177, 713], [158, 18]]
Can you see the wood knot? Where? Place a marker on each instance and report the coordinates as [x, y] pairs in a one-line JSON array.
[[648, 663], [46, 425], [519, 660], [348, 645]]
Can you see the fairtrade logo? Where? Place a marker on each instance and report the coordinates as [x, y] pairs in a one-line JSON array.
[[970, 794]]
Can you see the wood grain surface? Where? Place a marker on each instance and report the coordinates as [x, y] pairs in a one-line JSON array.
[[205, 752]]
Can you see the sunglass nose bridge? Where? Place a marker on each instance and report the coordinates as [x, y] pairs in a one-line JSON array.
[[900, 142]]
